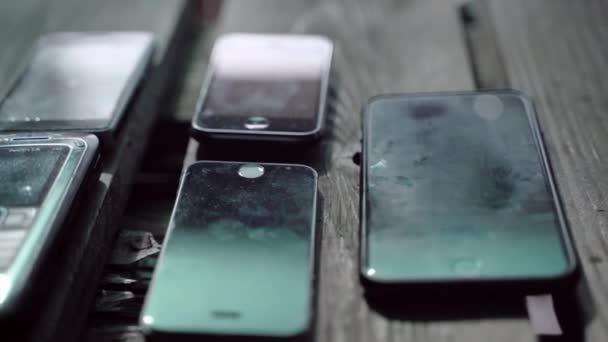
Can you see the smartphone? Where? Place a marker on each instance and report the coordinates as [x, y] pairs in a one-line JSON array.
[[457, 188], [78, 81], [238, 259], [40, 178], [268, 87]]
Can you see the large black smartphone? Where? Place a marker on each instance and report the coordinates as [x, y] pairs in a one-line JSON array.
[[457, 188], [265, 87], [78, 81], [238, 258], [40, 178]]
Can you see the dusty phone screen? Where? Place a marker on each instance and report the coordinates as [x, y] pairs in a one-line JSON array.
[[456, 187], [27, 173], [250, 241]]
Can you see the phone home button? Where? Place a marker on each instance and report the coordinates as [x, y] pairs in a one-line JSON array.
[[256, 122]]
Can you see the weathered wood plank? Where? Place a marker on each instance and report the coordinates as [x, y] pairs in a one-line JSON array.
[[80, 255], [556, 50], [485, 54]]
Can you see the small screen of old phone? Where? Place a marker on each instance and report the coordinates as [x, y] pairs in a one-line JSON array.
[[276, 78], [456, 187], [26, 175]]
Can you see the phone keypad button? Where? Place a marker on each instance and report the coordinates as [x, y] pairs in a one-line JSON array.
[[10, 241], [256, 122], [18, 218]]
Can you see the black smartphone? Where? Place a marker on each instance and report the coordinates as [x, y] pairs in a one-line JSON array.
[[78, 81], [457, 188], [238, 258], [268, 87], [40, 178]]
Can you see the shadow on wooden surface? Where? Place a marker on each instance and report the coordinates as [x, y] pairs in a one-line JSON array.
[[455, 305], [446, 307]]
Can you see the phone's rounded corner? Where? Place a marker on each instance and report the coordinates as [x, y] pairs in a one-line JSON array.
[[196, 164], [325, 40], [376, 98], [298, 331], [569, 274], [369, 279], [374, 101], [104, 131], [310, 169], [91, 140], [198, 132], [524, 97], [310, 136], [149, 36], [377, 287], [146, 324], [149, 327]]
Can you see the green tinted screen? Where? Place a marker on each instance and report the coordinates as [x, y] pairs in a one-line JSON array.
[[456, 187], [237, 260]]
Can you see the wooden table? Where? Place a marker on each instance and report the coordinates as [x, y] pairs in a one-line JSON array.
[[555, 50]]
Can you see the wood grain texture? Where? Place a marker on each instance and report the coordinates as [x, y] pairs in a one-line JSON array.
[[556, 50], [78, 258], [484, 52]]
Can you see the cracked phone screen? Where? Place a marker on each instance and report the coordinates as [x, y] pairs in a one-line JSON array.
[[456, 187], [242, 247]]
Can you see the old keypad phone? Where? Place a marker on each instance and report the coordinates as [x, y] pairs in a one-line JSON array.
[[457, 187], [238, 258], [265, 87], [40, 176], [78, 81]]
